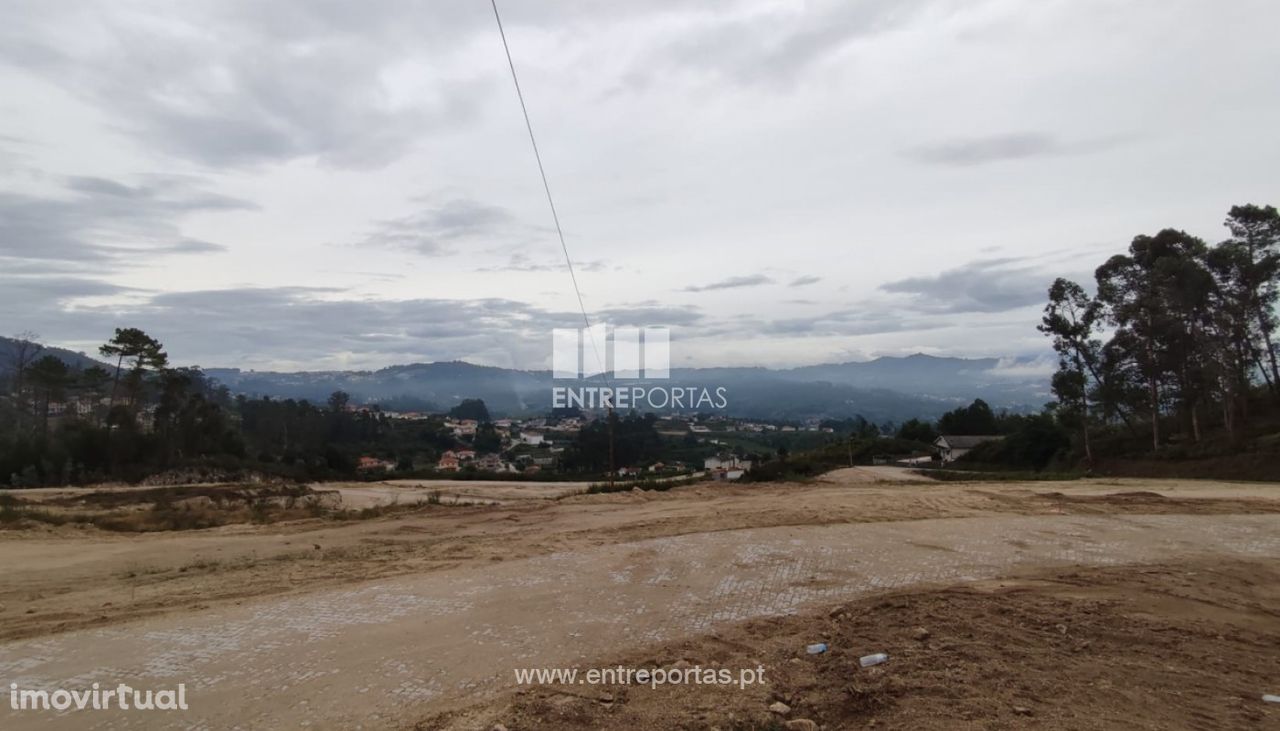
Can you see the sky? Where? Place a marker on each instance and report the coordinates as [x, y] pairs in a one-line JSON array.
[[325, 184]]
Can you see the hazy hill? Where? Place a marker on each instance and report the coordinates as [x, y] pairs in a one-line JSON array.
[[939, 376], [884, 388], [71, 358], [418, 386]]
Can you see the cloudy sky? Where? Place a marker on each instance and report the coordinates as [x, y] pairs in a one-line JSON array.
[[312, 184]]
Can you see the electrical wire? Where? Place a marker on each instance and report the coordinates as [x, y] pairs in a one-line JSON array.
[[524, 109]]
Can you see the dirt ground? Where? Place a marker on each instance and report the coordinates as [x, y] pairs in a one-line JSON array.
[[58, 578], [477, 492], [1169, 585], [1191, 646]]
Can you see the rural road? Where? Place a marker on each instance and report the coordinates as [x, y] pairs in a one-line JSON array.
[[390, 651]]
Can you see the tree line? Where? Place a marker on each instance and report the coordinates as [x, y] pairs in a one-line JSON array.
[[1176, 339], [1178, 336], [137, 416]]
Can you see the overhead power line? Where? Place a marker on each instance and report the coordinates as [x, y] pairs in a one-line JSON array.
[[533, 140], [542, 171]]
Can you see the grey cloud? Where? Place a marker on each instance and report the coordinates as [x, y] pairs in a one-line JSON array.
[[650, 316], [522, 262], [844, 322], [13, 153], [970, 151], [45, 267], [20, 294], [102, 186], [751, 280], [230, 83], [43, 304], [240, 301], [804, 281], [435, 228], [980, 150], [773, 47], [308, 329], [192, 246], [178, 193], [104, 221], [987, 285], [869, 318]]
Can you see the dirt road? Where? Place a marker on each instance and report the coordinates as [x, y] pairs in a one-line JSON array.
[[389, 651]]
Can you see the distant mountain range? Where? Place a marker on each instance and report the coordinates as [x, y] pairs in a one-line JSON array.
[[894, 388], [880, 389], [8, 349]]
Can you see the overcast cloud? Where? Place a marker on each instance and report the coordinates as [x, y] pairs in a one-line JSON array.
[[300, 184]]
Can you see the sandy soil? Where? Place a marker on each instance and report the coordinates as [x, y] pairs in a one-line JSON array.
[[869, 474], [481, 492], [57, 579], [429, 611], [1186, 646]]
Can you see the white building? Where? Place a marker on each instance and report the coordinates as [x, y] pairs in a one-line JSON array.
[[953, 447], [726, 462]]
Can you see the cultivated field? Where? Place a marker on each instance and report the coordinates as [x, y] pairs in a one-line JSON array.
[[1090, 604]]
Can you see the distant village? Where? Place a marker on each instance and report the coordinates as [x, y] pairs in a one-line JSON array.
[[88, 423], [535, 445]]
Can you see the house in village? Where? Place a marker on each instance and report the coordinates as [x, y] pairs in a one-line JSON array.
[[369, 464], [463, 428], [952, 447], [726, 461], [490, 463]]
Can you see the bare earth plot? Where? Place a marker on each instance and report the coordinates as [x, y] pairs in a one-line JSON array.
[[390, 492], [590, 579]]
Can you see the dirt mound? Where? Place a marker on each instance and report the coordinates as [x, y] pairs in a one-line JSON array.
[[1261, 465], [205, 474], [1137, 495], [1144, 501]]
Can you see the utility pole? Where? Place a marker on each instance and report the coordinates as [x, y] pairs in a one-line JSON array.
[[612, 469]]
